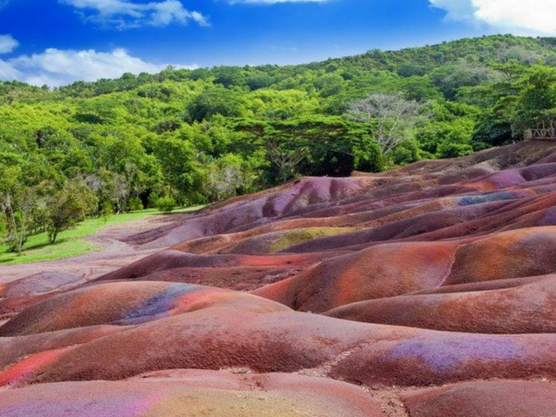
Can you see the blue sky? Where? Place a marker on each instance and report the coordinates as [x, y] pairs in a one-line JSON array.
[[59, 41]]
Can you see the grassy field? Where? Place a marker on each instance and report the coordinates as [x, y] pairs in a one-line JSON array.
[[71, 242]]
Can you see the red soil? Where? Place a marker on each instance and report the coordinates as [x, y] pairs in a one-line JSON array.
[[488, 399], [444, 274], [191, 393]]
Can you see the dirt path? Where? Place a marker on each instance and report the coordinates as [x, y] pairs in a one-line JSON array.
[[112, 253]]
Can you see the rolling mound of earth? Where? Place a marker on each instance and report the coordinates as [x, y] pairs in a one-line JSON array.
[[422, 292]]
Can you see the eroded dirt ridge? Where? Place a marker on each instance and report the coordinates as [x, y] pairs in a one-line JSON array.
[[428, 291]]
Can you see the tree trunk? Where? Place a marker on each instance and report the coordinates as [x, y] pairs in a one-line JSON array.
[[53, 235]]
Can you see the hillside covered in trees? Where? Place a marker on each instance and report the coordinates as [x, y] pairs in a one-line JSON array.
[[199, 136]]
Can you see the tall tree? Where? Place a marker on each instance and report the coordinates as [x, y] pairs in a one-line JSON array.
[[18, 203], [70, 207], [390, 117]]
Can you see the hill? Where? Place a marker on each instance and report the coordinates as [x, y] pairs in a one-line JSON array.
[[187, 137], [423, 291]]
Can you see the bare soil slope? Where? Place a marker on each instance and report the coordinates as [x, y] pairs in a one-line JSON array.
[[428, 291]]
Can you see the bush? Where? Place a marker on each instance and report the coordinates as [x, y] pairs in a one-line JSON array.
[[107, 211], [135, 204], [153, 200], [454, 150], [166, 204]]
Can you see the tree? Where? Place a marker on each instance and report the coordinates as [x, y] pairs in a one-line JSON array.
[[389, 116], [120, 192], [215, 101], [259, 80], [285, 158], [329, 85], [229, 76], [536, 104], [182, 171], [70, 207], [227, 177], [310, 145], [19, 206], [16, 218], [214, 133], [463, 74]]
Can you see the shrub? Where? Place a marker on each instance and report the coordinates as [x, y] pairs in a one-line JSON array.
[[153, 200], [135, 204], [107, 211], [454, 150], [166, 204]]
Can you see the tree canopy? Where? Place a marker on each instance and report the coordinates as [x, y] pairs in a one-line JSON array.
[[197, 136]]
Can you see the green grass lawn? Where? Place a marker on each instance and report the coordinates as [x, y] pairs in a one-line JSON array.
[[71, 242]]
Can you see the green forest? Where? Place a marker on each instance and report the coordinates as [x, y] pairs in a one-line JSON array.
[[185, 137]]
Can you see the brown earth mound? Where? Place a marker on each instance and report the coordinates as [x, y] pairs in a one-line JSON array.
[[528, 307], [439, 274], [485, 399], [191, 393]]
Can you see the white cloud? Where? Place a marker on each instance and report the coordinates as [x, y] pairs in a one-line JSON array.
[[56, 67], [456, 9], [521, 16], [8, 72], [7, 44], [125, 14]]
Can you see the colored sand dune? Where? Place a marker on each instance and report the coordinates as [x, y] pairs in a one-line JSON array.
[[427, 291]]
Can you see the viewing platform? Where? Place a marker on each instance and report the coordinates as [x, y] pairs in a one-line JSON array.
[[540, 134]]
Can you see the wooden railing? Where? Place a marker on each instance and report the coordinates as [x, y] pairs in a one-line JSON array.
[[540, 134]]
